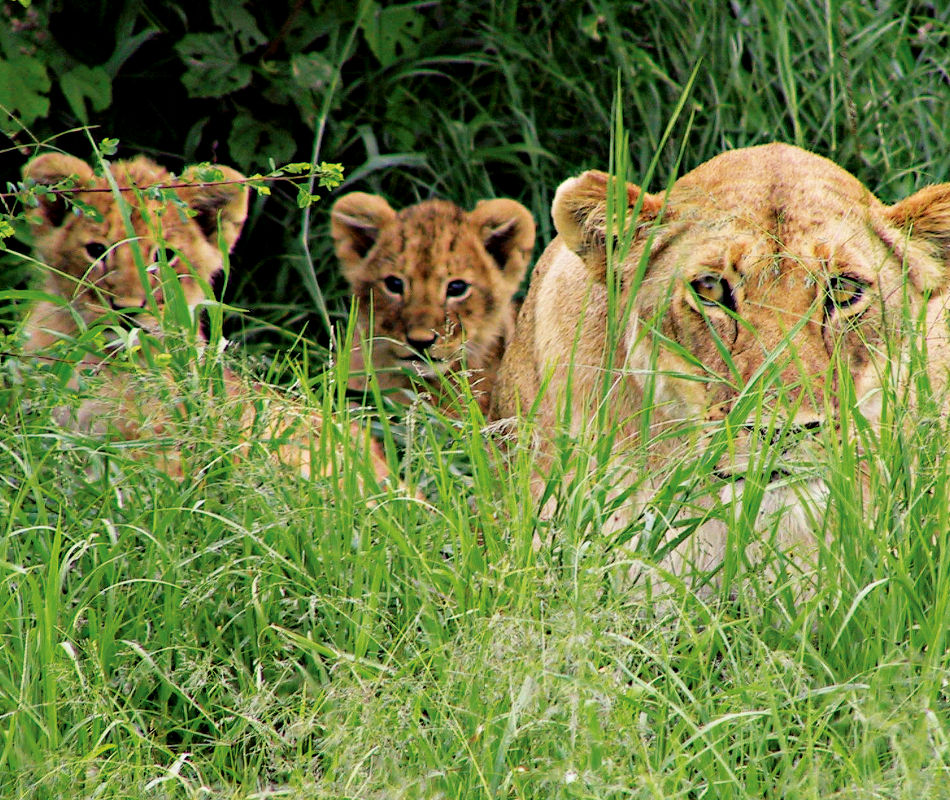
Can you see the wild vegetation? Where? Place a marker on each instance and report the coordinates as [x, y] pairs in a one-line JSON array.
[[245, 633]]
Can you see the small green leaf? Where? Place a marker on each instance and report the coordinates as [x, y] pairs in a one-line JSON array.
[[108, 147], [24, 84], [208, 173], [84, 209], [393, 33], [238, 22], [251, 137], [82, 83], [214, 67], [258, 184], [303, 197], [297, 167], [331, 175], [311, 71]]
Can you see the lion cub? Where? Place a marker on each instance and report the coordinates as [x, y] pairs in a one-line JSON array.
[[104, 262], [435, 287]]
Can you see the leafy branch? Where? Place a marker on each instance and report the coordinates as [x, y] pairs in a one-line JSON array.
[[328, 176], [302, 174]]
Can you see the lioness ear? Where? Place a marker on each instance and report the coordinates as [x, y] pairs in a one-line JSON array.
[[580, 215], [48, 170], [507, 230], [220, 205], [355, 222], [925, 216]]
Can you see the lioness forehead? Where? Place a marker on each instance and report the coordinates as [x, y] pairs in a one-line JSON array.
[[770, 185], [768, 209], [774, 165]]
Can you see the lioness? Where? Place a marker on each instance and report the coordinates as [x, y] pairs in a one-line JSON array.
[[100, 263], [434, 286], [764, 258]]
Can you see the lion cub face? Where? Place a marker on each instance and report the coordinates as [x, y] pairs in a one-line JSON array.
[[99, 262], [434, 283]]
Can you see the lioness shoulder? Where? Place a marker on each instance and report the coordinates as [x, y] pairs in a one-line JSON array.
[[434, 285]]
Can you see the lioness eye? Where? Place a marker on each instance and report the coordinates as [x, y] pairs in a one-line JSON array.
[[456, 288], [394, 284], [844, 291], [712, 290], [95, 250]]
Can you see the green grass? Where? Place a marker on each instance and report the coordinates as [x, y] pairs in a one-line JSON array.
[[260, 635], [246, 633]]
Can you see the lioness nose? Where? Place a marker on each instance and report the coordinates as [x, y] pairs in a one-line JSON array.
[[794, 429], [811, 425], [421, 343]]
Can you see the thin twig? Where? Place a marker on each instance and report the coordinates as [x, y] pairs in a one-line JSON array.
[[109, 190], [274, 44]]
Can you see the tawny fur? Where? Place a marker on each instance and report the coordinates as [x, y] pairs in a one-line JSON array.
[[91, 264], [432, 280], [780, 236]]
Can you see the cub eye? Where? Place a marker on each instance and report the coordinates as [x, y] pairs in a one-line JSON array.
[[712, 290], [95, 250], [394, 284], [844, 291], [158, 255], [456, 288]]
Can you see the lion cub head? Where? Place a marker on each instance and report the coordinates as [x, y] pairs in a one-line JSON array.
[[100, 261], [434, 284]]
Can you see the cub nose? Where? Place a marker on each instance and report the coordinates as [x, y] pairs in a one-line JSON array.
[[421, 341], [116, 304]]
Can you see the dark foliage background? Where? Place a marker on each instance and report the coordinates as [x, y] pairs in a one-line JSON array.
[[462, 100]]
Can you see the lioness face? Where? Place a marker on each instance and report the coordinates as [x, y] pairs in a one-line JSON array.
[[434, 284], [763, 255], [100, 262]]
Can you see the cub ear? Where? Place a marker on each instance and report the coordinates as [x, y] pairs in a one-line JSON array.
[[507, 230], [355, 222], [925, 216], [580, 215], [48, 170], [220, 205]]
